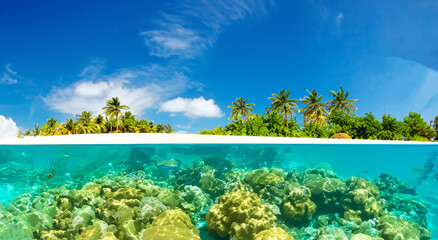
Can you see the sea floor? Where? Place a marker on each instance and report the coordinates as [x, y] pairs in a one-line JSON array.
[[241, 193]]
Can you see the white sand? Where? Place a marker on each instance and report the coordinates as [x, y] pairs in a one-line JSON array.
[[161, 138]]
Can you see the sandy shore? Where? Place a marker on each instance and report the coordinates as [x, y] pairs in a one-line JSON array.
[[161, 138]]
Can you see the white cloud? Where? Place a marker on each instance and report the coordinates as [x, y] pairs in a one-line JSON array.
[[8, 77], [140, 89], [8, 128], [192, 107], [193, 25], [91, 89]]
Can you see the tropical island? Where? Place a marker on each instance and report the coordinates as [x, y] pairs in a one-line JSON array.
[[116, 120], [335, 118]]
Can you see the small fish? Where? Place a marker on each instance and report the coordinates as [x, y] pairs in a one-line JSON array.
[[416, 170], [49, 176], [65, 155], [232, 164], [365, 171]]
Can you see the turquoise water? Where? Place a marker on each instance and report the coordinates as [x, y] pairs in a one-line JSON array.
[[37, 169]]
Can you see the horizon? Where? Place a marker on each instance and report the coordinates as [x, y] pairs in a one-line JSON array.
[[183, 62]]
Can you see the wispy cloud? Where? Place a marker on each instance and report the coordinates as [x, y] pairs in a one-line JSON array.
[[339, 18], [192, 107], [9, 76], [140, 88], [193, 25]]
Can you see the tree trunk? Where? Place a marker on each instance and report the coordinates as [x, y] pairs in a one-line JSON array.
[[117, 123]]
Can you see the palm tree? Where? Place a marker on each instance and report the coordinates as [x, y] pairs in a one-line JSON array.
[[340, 102], [70, 127], [315, 110], [113, 108], [36, 131], [84, 117], [127, 115], [240, 108], [100, 122], [99, 119], [51, 127], [284, 104]]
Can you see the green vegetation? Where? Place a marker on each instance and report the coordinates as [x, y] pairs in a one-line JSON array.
[[86, 123], [323, 120]]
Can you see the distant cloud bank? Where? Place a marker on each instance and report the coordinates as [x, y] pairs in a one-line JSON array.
[[140, 89]]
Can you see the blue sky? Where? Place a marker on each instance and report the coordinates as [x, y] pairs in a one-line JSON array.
[[183, 62]]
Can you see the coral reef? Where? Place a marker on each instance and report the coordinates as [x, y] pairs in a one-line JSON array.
[[361, 201], [239, 214], [298, 205], [393, 228], [171, 225], [194, 200], [151, 195], [273, 234], [331, 233], [361, 236], [401, 200], [212, 185], [326, 191], [260, 178], [149, 208]]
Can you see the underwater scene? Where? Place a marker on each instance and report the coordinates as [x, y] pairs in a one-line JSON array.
[[219, 191]]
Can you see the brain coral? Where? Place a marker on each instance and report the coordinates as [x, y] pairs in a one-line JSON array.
[[361, 236], [171, 225], [326, 190], [149, 209], [239, 214], [273, 234], [298, 205], [261, 178], [362, 200], [212, 185], [331, 233], [194, 199], [394, 228]]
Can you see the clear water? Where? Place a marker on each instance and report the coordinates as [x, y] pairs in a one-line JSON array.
[[27, 168]]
